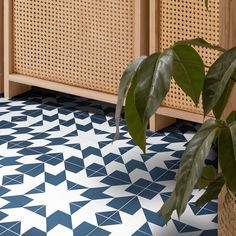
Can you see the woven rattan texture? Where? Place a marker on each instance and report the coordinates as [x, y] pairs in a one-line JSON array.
[[227, 218], [186, 19], [77, 42]]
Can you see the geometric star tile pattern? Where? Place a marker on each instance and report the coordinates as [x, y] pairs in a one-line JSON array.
[[61, 175]]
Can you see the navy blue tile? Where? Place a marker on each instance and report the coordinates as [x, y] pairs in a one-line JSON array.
[[3, 190], [96, 193], [108, 218], [32, 169], [119, 175], [40, 210], [12, 179], [52, 159], [134, 189], [16, 201], [134, 164], [143, 231], [160, 174], [212, 232], [75, 206], [95, 170], [10, 161], [74, 164], [129, 205], [55, 179], [112, 157], [3, 215], [34, 232], [154, 218], [57, 218], [84, 229], [100, 232], [19, 118], [184, 228]]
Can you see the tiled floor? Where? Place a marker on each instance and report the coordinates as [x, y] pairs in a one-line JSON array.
[[61, 175]]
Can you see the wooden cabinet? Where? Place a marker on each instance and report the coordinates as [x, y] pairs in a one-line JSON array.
[[76, 46], [82, 47], [173, 20]]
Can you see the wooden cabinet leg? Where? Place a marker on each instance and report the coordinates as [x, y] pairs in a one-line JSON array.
[[12, 89], [1, 84], [1, 47], [158, 122]]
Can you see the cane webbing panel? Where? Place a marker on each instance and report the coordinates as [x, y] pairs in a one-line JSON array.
[[76, 42], [185, 19], [227, 216]]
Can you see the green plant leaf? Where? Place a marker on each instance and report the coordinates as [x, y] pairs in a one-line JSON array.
[[200, 42], [125, 81], [153, 84], [169, 207], [221, 104], [189, 71], [212, 191], [206, 4], [233, 135], [136, 127], [217, 79], [231, 118], [208, 175], [227, 158], [191, 166]]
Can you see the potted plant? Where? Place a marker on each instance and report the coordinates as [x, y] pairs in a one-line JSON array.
[[143, 87]]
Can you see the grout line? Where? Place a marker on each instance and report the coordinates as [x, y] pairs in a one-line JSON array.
[[144, 233], [183, 228]]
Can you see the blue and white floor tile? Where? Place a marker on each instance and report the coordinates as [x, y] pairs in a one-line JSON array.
[[61, 175]]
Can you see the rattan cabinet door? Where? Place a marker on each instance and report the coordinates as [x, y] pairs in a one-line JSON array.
[[180, 20], [78, 43]]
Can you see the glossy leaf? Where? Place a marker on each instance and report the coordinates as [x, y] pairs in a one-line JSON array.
[[136, 127], [191, 167], [125, 81], [221, 104], [153, 84], [217, 78], [231, 118], [206, 4], [189, 71], [212, 191], [227, 158], [233, 135], [208, 175], [200, 42], [169, 207]]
